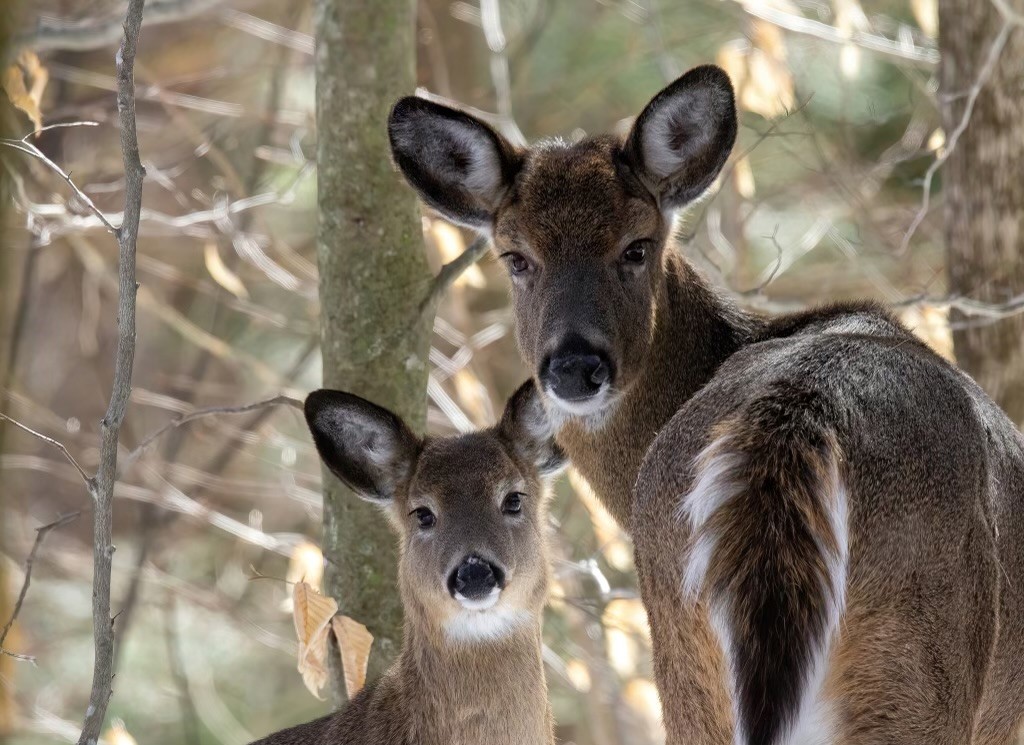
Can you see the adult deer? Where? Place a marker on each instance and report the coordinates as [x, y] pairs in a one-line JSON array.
[[470, 513], [827, 516]]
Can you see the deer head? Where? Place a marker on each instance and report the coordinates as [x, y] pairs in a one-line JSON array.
[[468, 510], [582, 228]]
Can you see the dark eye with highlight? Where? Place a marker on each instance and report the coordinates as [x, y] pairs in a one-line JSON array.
[[636, 252], [513, 503], [424, 517], [517, 263]]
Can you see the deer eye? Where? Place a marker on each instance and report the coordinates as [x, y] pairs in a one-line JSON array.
[[517, 263], [424, 517], [635, 252], [513, 504]]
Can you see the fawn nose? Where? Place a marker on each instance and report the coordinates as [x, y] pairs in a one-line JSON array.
[[573, 375], [475, 579]]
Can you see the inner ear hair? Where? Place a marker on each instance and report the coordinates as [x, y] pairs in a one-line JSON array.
[[683, 137], [459, 165], [365, 445]]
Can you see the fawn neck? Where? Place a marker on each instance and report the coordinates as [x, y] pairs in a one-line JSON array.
[[695, 331], [482, 692]]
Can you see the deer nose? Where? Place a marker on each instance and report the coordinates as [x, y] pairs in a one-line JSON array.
[[475, 579], [576, 376]]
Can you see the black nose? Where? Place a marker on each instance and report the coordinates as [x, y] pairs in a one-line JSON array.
[[576, 375], [475, 577]]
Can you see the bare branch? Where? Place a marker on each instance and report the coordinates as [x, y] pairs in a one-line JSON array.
[[89, 482], [40, 535], [972, 97], [28, 148], [95, 33], [110, 426], [453, 269], [801, 25], [201, 413]]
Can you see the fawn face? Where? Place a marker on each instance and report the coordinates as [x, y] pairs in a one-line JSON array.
[[469, 510], [582, 228]]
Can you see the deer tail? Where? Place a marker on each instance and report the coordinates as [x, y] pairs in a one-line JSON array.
[[769, 555]]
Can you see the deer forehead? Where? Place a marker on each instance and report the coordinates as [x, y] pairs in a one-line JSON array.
[[471, 470], [575, 195]]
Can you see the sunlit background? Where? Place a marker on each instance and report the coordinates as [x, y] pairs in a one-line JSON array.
[[820, 201]]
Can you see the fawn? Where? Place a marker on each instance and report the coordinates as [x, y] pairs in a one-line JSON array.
[[470, 514], [827, 516]]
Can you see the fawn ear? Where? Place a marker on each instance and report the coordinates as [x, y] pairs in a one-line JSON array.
[[683, 137], [364, 445], [459, 166], [525, 424]]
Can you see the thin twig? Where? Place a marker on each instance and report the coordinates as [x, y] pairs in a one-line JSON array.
[[24, 146], [89, 482], [110, 426], [972, 97], [200, 414], [40, 535], [452, 270]]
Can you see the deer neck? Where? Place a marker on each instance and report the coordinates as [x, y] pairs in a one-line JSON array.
[[467, 693], [696, 329]]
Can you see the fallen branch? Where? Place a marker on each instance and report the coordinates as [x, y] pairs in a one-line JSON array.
[[40, 535], [110, 425]]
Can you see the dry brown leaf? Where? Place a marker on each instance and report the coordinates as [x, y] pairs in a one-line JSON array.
[[354, 641], [23, 97], [312, 615], [221, 274]]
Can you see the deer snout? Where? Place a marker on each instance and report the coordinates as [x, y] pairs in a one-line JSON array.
[[476, 582], [576, 375]]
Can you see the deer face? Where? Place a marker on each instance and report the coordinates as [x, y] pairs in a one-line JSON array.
[[581, 228], [469, 510]]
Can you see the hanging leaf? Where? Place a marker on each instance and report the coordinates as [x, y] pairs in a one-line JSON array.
[[25, 97], [354, 641], [312, 616]]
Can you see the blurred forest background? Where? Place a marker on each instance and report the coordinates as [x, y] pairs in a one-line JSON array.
[[868, 165]]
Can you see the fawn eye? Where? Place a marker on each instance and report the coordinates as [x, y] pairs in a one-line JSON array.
[[517, 263], [513, 504], [424, 517], [635, 253]]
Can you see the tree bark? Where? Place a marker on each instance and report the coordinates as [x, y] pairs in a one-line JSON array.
[[983, 189], [373, 276]]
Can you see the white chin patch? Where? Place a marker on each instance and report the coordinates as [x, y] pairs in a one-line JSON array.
[[479, 604], [592, 411], [477, 626]]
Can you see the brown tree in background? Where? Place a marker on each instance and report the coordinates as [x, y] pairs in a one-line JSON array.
[[981, 78], [373, 276]]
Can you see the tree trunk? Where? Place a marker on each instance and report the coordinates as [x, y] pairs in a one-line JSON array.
[[983, 188], [373, 275]]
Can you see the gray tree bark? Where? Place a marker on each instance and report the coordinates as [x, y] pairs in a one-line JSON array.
[[983, 187], [373, 278]]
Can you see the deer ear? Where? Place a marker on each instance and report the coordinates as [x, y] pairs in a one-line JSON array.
[[525, 424], [458, 165], [683, 137], [364, 445]]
